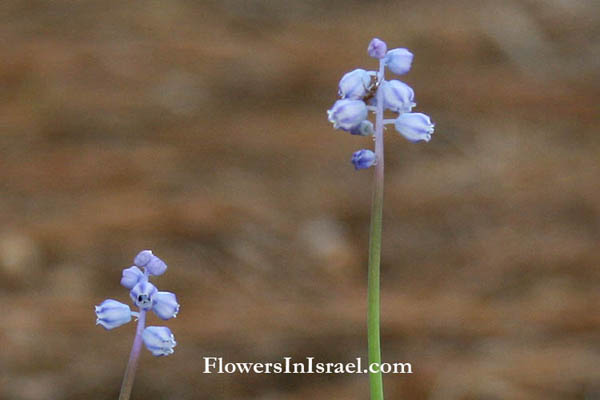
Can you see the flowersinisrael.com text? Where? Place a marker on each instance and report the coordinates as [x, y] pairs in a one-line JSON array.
[[216, 365]]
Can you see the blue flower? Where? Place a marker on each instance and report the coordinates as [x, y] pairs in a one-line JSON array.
[[159, 340], [399, 60], [397, 96], [154, 265], [131, 277], [347, 114], [414, 126], [112, 314], [363, 159], [354, 85], [142, 293], [377, 48], [365, 128], [164, 304], [143, 258]]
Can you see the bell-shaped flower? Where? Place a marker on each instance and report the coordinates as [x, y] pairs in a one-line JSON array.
[[414, 126], [377, 48], [354, 85], [397, 96], [365, 128], [153, 264], [159, 340], [398, 60], [142, 293], [363, 159], [164, 304], [347, 114], [112, 314], [131, 277]]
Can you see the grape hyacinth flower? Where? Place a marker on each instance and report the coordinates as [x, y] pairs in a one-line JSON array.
[[414, 126], [363, 159], [111, 314], [348, 114], [159, 340], [358, 96], [354, 84]]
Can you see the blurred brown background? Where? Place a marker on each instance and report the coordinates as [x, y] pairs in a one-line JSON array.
[[198, 129]]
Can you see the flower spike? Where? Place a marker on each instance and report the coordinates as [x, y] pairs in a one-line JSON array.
[[112, 313], [351, 114]]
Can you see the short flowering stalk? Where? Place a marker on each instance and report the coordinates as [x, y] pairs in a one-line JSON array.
[[349, 115], [111, 314]]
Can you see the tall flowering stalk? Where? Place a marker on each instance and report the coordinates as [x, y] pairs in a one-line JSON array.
[[112, 314], [363, 91]]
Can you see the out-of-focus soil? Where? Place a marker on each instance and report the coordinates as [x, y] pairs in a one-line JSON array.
[[198, 129]]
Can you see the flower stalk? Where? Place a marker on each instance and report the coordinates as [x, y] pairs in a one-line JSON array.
[[373, 293], [348, 114], [134, 356]]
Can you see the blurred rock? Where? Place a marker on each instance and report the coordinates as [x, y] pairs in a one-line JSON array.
[[20, 256], [327, 240]]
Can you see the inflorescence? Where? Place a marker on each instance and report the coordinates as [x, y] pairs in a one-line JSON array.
[[112, 313], [359, 92]]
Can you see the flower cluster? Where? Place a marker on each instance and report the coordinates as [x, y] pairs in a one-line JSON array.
[[112, 313], [362, 91]]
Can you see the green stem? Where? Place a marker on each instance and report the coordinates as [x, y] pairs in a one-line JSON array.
[[375, 379]]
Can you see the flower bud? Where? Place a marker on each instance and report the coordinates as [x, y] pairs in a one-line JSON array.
[[354, 85], [363, 159], [377, 48], [112, 314], [142, 293], [143, 258], [347, 114], [164, 304], [131, 277], [414, 126], [399, 60], [154, 265], [397, 96], [159, 340], [365, 128]]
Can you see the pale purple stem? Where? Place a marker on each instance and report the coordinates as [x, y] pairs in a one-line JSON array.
[[134, 356], [379, 126]]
